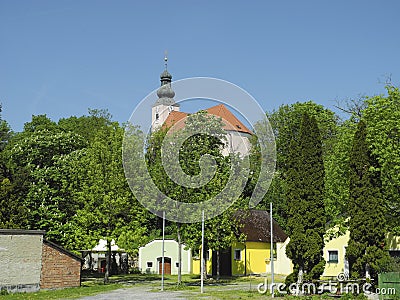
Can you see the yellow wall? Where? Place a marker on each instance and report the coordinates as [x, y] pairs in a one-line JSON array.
[[393, 242], [339, 244], [196, 264], [256, 256]]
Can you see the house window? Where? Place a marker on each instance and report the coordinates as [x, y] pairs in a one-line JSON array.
[[237, 254], [177, 264], [149, 264], [333, 256]]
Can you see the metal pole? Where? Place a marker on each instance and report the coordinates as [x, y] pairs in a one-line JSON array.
[[162, 255], [272, 249], [202, 261]]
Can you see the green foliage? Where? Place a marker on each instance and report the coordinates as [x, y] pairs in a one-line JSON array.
[[286, 126], [87, 126], [305, 202], [367, 222], [39, 151], [221, 230], [107, 205], [337, 176], [382, 116], [12, 212]]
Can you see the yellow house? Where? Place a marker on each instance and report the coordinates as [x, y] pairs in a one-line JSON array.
[[252, 256], [335, 252]]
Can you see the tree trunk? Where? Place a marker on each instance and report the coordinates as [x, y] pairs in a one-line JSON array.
[[108, 263], [218, 273], [204, 262], [90, 262], [178, 233], [114, 265]]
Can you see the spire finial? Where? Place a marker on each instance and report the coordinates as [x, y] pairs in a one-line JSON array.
[[165, 77], [166, 59]]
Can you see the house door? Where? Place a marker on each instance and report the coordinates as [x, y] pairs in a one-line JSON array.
[[167, 265], [225, 263]]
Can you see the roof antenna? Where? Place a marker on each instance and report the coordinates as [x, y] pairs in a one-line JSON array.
[[166, 59]]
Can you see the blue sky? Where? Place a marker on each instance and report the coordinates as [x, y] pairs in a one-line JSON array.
[[62, 57]]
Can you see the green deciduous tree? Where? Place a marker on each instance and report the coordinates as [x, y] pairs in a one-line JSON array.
[[108, 209], [195, 142], [33, 158], [305, 202], [337, 168], [366, 249], [12, 211], [382, 116]]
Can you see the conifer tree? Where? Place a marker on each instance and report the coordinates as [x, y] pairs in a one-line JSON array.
[[305, 203], [366, 249]]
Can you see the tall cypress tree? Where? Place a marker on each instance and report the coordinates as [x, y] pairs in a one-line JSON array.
[[305, 203], [366, 249]]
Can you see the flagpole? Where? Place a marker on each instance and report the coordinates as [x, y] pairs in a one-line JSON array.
[[202, 261], [272, 249], [162, 255]]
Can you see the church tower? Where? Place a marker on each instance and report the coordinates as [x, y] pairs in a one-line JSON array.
[[165, 102]]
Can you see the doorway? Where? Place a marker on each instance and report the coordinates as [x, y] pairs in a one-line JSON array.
[[225, 263], [167, 265]]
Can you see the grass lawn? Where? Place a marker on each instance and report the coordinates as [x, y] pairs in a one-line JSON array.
[[67, 293]]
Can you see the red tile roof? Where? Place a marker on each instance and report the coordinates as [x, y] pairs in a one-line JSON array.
[[173, 119], [231, 122]]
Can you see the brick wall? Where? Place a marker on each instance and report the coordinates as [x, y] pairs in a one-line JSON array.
[[59, 268]]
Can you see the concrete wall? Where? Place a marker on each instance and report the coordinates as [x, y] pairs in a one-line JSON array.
[[59, 269], [20, 260]]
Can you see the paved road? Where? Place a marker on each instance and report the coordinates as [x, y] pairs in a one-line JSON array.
[[149, 291], [136, 292]]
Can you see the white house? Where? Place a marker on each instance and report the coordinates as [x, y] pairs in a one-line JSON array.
[[150, 258], [95, 259]]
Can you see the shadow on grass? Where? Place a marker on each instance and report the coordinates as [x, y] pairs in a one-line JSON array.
[[96, 277]]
